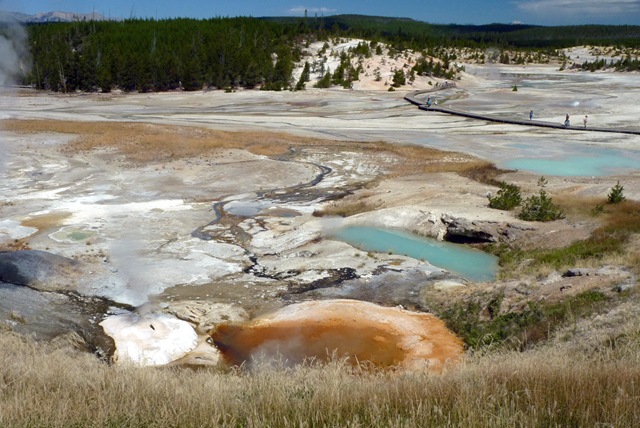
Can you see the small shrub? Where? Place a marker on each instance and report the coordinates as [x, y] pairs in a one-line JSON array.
[[515, 88], [540, 207], [507, 198], [616, 196]]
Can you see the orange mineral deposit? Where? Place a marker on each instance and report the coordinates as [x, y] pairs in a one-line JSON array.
[[352, 329]]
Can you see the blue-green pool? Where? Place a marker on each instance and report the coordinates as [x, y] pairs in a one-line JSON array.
[[467, 262], [591, 162]]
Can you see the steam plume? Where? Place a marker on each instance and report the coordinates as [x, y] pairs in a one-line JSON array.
[[15, 58]]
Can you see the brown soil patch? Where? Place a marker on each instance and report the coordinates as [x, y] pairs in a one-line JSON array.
[[46, 221], [16, 245]]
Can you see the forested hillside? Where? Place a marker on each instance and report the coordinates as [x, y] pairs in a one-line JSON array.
[[149, 55], [420, 35], [225, 53]]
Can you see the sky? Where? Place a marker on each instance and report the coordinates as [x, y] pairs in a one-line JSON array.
[[538, 12]]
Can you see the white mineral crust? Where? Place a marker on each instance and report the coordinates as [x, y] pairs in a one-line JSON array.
[[151, 340]]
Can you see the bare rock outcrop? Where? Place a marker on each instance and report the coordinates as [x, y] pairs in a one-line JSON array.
[[460, 229], [40, 270], [49, 315]]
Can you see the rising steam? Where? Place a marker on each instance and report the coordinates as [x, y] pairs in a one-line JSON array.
[[15, 58]]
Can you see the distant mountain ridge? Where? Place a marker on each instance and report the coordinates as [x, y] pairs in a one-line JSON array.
[[50, 17]]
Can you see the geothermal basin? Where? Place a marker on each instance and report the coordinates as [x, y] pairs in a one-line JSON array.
[[130, 220]]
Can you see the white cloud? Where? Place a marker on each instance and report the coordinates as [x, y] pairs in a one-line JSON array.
[[299, 10], [579, 7]]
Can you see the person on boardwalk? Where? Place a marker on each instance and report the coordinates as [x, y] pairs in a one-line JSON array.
[[586, 118], [429, 101], [566, 120], [531, 115]]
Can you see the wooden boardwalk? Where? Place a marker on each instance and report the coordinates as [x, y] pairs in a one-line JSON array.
[[412, 98]]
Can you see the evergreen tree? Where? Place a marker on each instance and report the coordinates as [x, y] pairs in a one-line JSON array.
[[325, 81], [399, 78], [304, 77]]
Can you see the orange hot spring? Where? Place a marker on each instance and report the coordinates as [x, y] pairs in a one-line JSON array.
[[359, 331]]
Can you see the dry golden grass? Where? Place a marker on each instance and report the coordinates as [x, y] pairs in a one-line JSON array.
[[623, 216], [624, 219], [345, 209], [54, 386], [578, 207], [148, 143]]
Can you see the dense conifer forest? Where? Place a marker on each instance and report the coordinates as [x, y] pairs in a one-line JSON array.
[[225, 53], [149, 55]]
